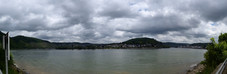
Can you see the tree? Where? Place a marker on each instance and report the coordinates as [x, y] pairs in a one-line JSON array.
[[214, 55], [222, 38]]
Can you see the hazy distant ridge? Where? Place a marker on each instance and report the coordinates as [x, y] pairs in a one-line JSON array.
[[23, 42]]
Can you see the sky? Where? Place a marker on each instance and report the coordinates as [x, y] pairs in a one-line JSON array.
[[111, 21]]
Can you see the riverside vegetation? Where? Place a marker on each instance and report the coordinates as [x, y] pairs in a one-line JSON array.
[[216, 54]]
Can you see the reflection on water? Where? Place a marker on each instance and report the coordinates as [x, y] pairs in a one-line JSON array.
[[110, 61]]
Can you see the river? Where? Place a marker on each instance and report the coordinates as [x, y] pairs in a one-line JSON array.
[[108, 61]]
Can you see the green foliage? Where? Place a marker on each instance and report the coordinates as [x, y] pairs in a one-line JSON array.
[[203, 62], [222, 37], [142, 41], [216, 54], [225, 53]]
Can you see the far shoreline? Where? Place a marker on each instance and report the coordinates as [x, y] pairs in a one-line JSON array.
[[147, 48]]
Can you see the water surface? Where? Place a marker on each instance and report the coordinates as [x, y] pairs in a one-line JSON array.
[[109, 61]]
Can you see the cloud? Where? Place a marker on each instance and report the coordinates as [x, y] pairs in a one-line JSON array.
[[106, 21], [210, 10], [116, 9], [29, 15], [77, 12], [160, 24]]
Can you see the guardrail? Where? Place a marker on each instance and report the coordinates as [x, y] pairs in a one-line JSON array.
[[1, 72], [222, 67]]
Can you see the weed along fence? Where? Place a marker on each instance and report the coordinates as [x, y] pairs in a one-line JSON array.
[[222, 69], [6, 47]]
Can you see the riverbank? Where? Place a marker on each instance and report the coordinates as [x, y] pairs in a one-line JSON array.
[[12, 68], [19, 71], [196, 69]]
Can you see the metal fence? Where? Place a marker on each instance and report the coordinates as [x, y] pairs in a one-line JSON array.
[[222, 67], [6, 47], [0, 72]]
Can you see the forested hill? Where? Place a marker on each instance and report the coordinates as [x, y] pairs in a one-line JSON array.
[[22, 42], [142, 41]]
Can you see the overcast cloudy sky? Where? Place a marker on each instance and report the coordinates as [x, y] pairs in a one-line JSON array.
[[107, 21]]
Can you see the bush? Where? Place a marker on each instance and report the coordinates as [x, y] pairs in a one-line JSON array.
[[216, 54]]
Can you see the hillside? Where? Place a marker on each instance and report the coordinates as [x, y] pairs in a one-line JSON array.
[[22, 42], [142, 41]]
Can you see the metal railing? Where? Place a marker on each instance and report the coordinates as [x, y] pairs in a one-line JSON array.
[[6, 47], [1, 72], [222, 67]]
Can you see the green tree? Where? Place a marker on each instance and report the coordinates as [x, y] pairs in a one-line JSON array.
[[214, 55], [222, 38]]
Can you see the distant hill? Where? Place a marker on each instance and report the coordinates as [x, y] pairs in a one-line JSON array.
[[70, 45], [202, 45], [142, 41], [187, 45], [22, 42], [172, 44]]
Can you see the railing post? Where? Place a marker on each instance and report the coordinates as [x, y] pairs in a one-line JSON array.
[[6, 47]]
